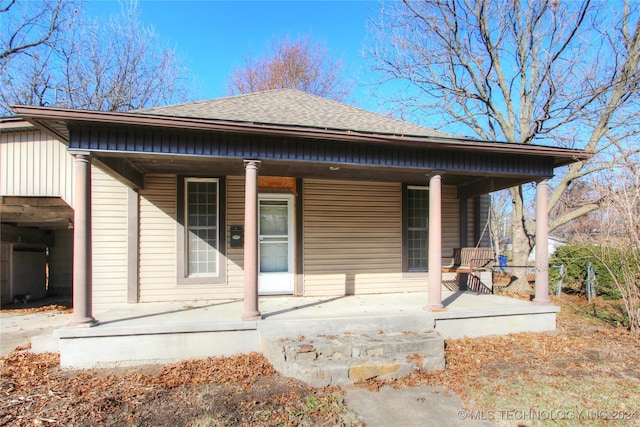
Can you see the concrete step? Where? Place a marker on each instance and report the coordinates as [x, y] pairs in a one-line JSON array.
[[46, 343], [347, 358]]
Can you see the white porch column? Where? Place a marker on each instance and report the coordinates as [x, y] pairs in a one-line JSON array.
[[435, 241], [542, 245], [82, 260], [251, 311]]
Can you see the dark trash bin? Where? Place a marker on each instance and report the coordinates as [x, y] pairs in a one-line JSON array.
[[502, 260]]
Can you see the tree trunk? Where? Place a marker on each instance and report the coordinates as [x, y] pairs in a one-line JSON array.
[[521, 246]]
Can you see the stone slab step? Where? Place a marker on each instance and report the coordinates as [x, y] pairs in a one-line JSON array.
[[348, 358]]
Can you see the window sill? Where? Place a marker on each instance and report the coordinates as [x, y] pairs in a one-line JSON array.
[[415, 274], [199, 281]]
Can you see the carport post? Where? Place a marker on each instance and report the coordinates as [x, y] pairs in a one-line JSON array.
[[542, 243], [82, 268], [251, 311], [435, 241]]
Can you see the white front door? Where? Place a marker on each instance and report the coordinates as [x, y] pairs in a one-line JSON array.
[[276, 244]]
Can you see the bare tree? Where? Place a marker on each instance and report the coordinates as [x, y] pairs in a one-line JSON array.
[[580, 193], [561, 73], [617, 244], [296, 64], [117, 64], [29, 33], [498, 220], [31, 24]]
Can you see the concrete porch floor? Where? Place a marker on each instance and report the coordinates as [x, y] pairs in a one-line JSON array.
[[167, 332]]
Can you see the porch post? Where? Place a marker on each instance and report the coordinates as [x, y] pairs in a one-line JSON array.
[[82, 260], [251, 311], [542, 245], [435, 241]]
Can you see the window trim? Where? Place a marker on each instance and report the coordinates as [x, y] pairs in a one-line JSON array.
[[405, 232], [181, 255]]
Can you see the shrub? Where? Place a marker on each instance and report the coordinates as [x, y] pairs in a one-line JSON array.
[[576, 259]]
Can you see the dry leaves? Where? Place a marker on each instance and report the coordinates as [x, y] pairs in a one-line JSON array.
[[242, 389], [241, 369], [52, 307], [578, 366], [501, 372]]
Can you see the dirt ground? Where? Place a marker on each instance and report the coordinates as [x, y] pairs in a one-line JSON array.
[[586, 372], [225, 391]]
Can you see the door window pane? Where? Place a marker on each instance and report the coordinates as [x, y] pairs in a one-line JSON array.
[[274, 257], [274, 218]]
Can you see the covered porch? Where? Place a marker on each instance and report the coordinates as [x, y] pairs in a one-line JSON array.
[[169, 332], [368, 158]]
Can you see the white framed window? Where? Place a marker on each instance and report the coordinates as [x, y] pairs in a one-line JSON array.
[[201, 227], [416, 232]]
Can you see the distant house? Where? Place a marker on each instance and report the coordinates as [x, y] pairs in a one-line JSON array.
[[552, 246], [276, 192]]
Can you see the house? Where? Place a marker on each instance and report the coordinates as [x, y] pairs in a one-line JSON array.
[[553, 243], [270, 193]]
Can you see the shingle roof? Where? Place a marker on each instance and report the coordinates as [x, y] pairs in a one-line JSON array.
[[291, 107]]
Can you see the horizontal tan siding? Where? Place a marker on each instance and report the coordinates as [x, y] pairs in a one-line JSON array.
[[485, 201], [34, 164], [485, 277], [352, 237], [158, 245], [235, 256], [450, 220], [471, 239], [109, 233]]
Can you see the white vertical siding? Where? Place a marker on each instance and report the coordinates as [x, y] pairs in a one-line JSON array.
[[109, 212], [34, 164]]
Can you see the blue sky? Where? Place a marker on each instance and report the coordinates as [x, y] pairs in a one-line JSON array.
[[214, 36]]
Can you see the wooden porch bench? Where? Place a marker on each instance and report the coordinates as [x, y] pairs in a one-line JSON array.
[[471, 262]]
